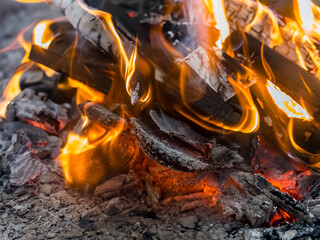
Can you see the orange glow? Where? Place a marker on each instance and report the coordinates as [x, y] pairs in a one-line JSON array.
[[261, 12], [287, 104], [281, 216], [128, 64], [216, 8], [249, 122], [85, 93], [81, 158], [42, 35]]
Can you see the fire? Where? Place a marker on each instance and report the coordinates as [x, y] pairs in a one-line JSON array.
[[216, 8], [284, 102], [42, 35], [83, 158], [128, 64], [262, 11], [249, 122]]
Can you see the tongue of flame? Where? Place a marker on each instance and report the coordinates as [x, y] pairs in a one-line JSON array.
[[287, 104], [42, 36], [216, 8]]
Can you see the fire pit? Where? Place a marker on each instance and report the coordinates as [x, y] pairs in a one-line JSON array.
[[160, 120]]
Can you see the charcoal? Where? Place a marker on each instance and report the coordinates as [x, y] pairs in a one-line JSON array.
[[117, 185], [166, 150], [256, 184], [180, 130], [43, 144], [32, 108], [36, 79], [101, 115], [20, 162]]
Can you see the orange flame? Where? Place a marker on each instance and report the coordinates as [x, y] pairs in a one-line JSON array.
[[128, 62], [41, 33], [262, 11], [287, 104], [249, 121], [216, 8], [81, 158]]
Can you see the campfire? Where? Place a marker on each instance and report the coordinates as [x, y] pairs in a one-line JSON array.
[[206, 104]]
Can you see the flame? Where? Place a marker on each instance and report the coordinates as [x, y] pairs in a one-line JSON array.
[[216, 8], [284, 102], [249, 122], [275, 32], [81, 158], [128, 64], [42, 35]]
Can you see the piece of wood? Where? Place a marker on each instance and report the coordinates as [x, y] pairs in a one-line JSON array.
[[102, 115], [301, 85], [243, 13], [128, 28]]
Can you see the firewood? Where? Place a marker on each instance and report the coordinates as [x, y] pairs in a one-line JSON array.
[[211, 103], [288, 76], [166, 150], [90, 26], [101, 115], [240, 12]]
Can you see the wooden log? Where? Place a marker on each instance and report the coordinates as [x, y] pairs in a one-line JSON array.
[[101, 115], [243, 12], [288, 76]]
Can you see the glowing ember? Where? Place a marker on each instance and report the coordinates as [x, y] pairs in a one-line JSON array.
[[287, 104]]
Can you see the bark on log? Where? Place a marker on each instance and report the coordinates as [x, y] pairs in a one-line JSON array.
[[90, 26], [289, 77], [238, 11]]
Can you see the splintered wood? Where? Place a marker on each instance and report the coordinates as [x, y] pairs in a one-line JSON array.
[[243, 12]]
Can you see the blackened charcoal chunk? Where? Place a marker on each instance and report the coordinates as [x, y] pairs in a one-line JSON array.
[[19, 161], [37, 110], [44, 145]]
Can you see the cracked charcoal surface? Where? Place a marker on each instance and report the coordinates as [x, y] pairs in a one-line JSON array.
[[45, 209]]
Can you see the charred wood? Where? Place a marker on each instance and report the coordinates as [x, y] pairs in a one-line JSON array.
[[102, 115], [288, 76], [39, 111]]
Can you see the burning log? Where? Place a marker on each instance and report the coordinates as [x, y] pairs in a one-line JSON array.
[[301, 85], [243, 13], [101, 115], [166, 150]]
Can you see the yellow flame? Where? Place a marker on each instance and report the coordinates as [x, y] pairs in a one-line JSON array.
[[79, 157], [128, 62], [216, 8], [275, 32], [249, 121], [85, 93], [42, 35], [290, 107]]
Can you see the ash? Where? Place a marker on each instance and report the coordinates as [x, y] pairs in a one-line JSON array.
[[38, 205]]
